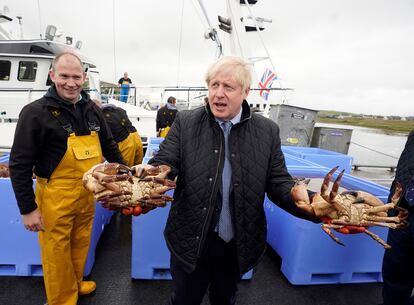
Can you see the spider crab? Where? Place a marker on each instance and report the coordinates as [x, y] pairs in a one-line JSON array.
[[349, 212], [116, 188]]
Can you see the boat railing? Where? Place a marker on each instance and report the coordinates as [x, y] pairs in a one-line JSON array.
[[188, 97], [113, 92]]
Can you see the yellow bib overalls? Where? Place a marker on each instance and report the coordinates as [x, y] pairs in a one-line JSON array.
[[132, 149], [164, 131], [68, 212]]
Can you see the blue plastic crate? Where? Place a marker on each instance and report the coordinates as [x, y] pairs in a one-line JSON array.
[[20, 252], [155, 140], [4, 158], [150, 255], [321, 156], [102, 218], [151, 151], [310, 256]]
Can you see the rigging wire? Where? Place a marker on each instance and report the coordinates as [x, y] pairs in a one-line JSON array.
[[204, 24], [179, 43], [379, 152], [113, 37], [40, 18], [266, 50]]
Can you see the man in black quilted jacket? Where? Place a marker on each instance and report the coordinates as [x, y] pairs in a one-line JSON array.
[[225, 159], [398, 263]]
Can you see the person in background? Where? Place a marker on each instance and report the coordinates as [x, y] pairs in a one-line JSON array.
[[165, 117], [124, 83], [398, 263], [124, 133], [59, 137], [225, 159]]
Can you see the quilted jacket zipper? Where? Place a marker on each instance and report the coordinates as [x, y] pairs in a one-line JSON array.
[[207, 219]]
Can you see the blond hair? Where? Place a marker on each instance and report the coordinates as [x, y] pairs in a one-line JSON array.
[[239, 69]]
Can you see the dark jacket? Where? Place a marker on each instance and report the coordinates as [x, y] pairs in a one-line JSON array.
[[194, 149], [40, 140], [118, 121], [405, 168], [165, 117]]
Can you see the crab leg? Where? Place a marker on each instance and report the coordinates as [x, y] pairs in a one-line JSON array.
[[378, 239], [325, 227], [376, 219], [364, 223]]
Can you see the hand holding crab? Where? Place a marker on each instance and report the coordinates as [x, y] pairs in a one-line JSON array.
[[349, 212], [116, 188]]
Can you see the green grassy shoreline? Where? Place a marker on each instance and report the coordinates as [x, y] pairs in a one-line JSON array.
[[397, 126]]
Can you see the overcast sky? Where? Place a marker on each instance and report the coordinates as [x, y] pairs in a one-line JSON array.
[[346, 55]]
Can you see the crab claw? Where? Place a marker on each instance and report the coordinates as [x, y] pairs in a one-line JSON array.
[[300, 196], [143, 170]]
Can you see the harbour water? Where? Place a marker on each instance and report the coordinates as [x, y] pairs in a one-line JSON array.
[[374, 147]]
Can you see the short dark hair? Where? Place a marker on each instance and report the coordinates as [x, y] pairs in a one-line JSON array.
[[171, 100], [65, 53]]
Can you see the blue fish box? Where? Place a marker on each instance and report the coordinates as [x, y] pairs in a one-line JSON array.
[[20, 252], [320, 156], [310, 256]]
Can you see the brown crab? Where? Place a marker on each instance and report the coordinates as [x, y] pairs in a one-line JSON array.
[[4, 170], [115, 187], [349, 212]]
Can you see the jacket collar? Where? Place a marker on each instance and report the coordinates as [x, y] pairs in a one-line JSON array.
[[245, 116], [52, 94]]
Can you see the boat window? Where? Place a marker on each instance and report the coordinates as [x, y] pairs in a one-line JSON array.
[[27, 71], [49, 80], [5, 70]]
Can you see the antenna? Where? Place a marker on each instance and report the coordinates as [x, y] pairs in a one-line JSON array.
[[20, 26]]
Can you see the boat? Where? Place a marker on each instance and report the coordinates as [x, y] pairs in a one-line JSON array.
[[24, 77]]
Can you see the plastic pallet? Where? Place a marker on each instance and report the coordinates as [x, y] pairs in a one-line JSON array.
[[310, 256]]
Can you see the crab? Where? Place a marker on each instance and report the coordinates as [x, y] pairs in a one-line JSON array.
[[4, 170], [349, 212], [116, 188]]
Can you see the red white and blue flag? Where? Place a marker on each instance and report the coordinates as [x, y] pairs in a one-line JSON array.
[[266, 83]]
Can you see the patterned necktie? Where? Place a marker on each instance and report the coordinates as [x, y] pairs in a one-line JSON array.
[[225, 225], [409, 194]]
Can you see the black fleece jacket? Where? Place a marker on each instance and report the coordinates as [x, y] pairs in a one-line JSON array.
[[118, 121], [405, 169], [40, 141]]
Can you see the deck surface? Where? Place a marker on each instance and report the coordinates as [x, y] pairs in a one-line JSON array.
[[115, 286]]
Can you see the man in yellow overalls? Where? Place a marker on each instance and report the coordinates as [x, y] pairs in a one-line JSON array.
[[124, 133], [165, 117], [59, 137]]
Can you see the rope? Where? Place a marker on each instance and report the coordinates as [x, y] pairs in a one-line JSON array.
[[379, 152]]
